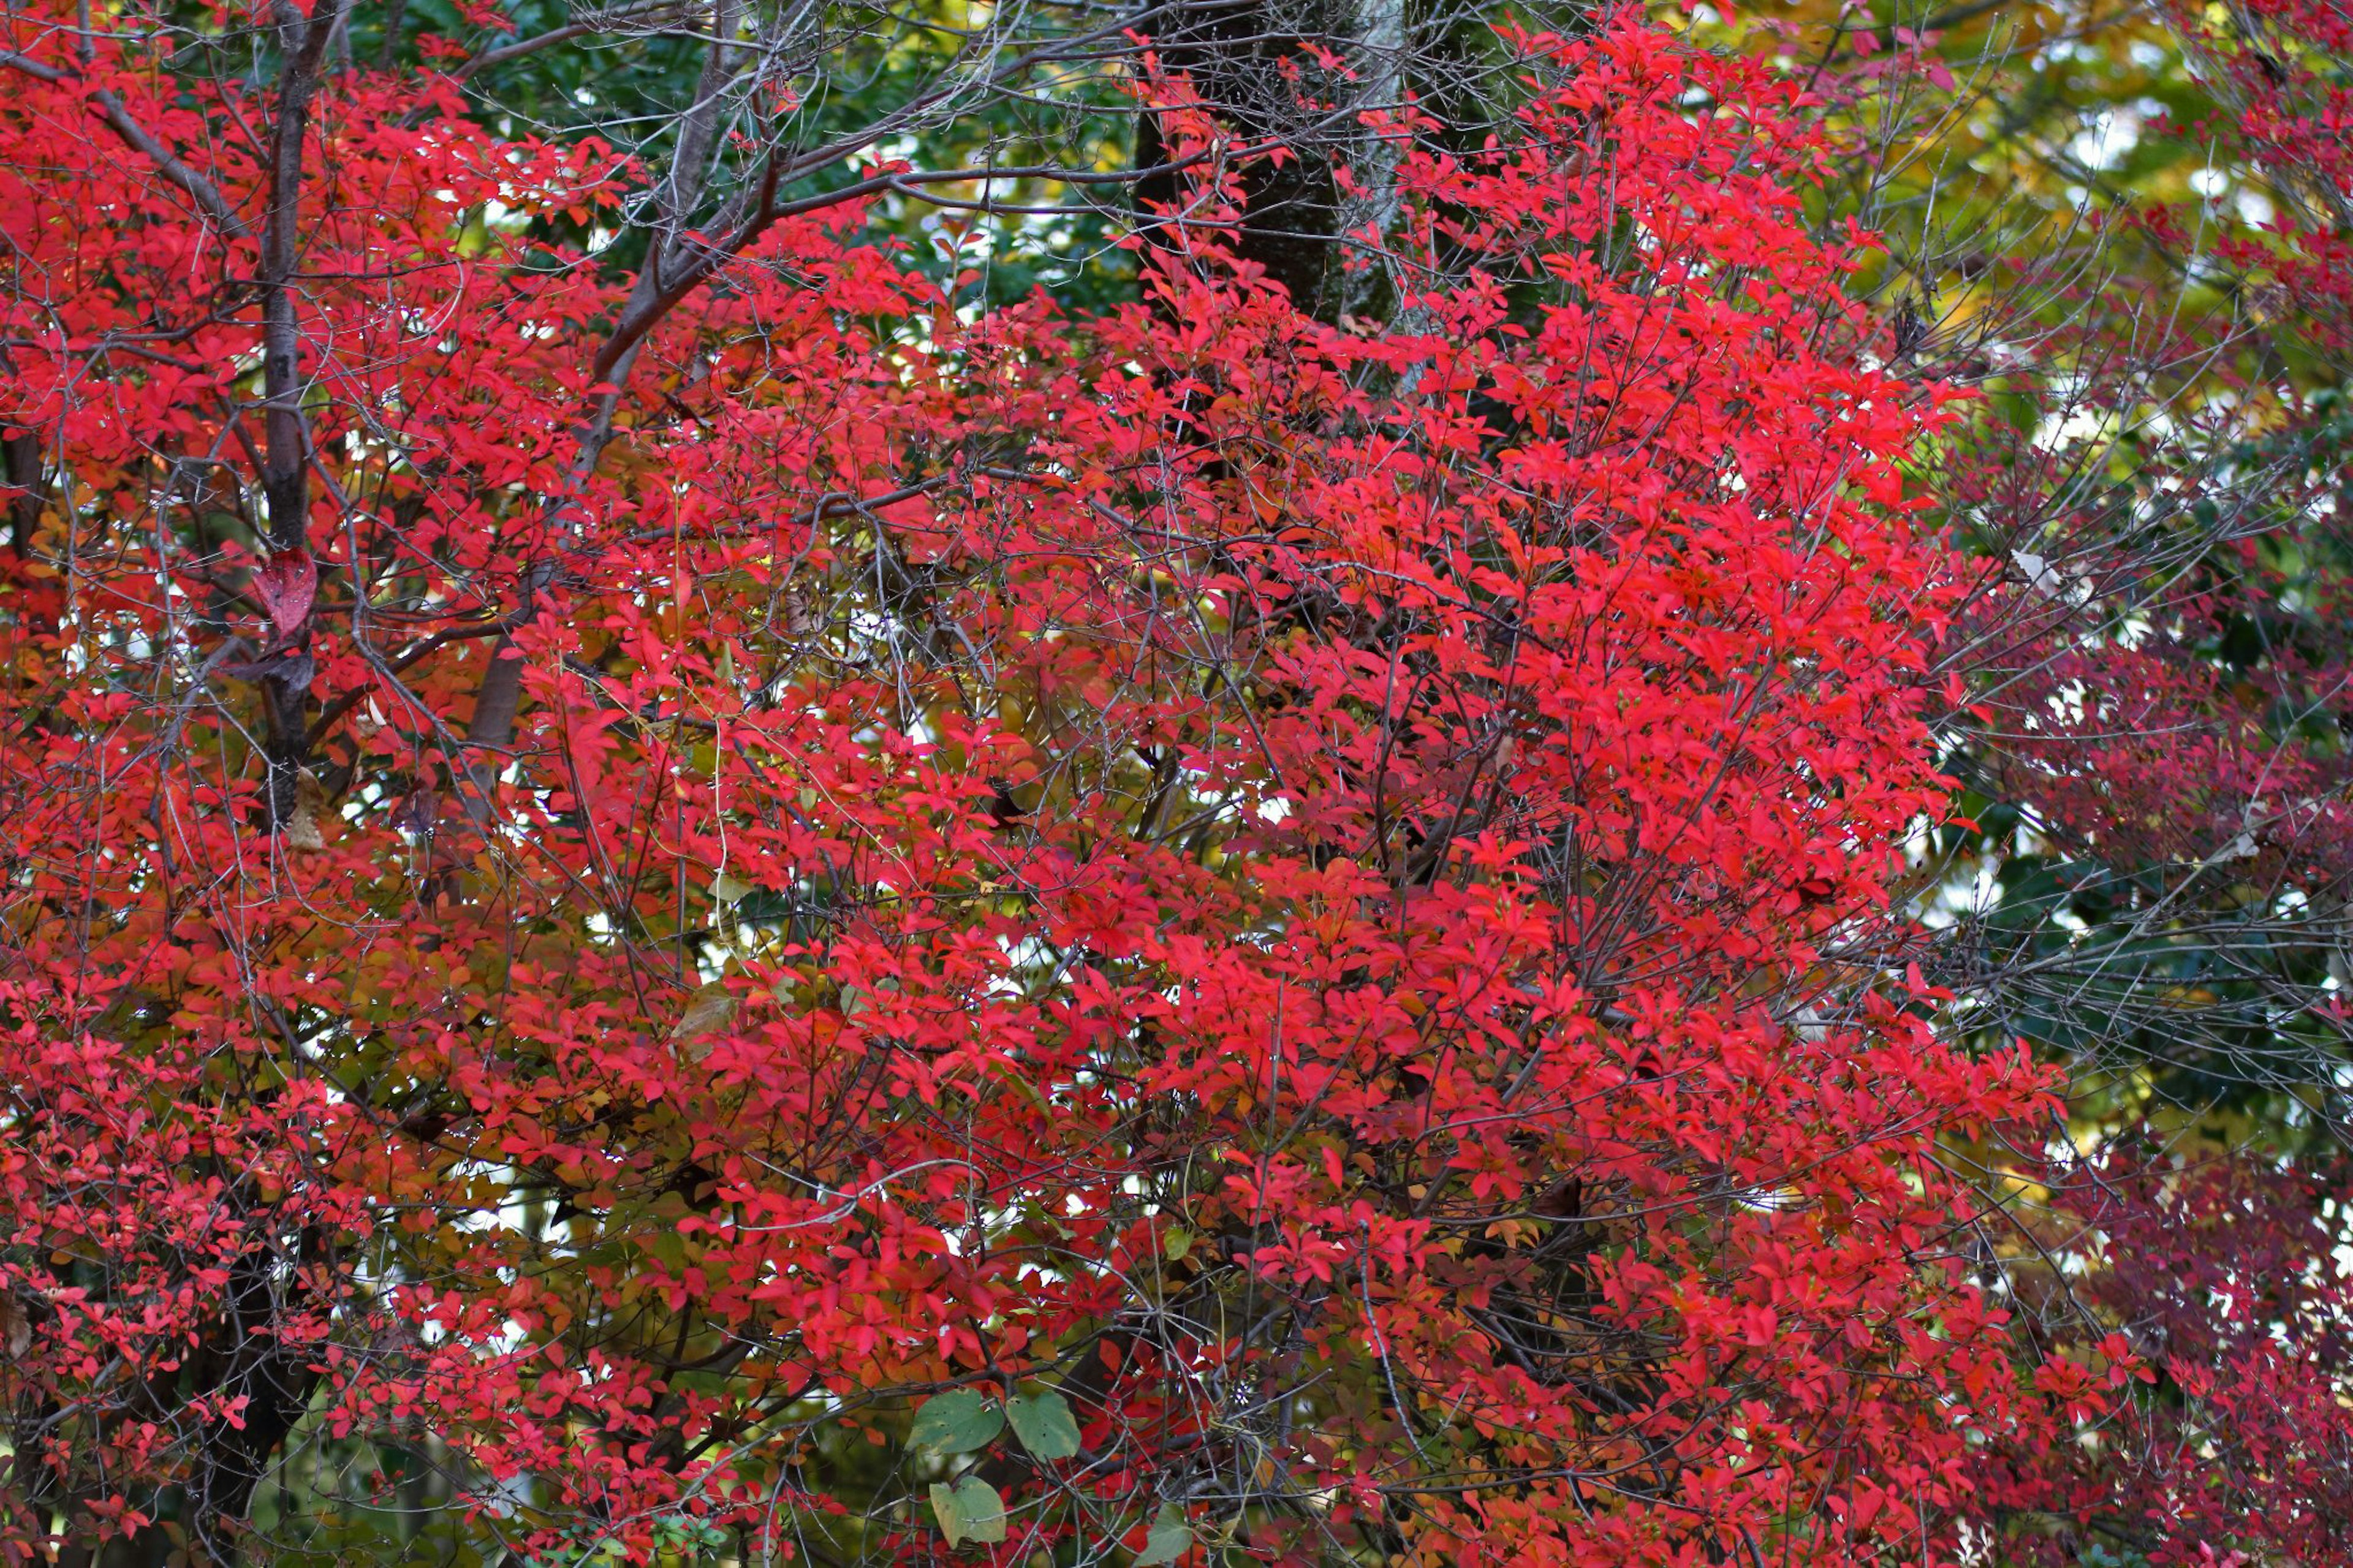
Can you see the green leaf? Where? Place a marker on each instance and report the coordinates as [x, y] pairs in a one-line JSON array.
[[1170, 1538], [968, 1510], [957, 1422], [1044, 1424]]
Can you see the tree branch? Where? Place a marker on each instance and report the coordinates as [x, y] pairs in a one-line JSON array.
[[139, 139]]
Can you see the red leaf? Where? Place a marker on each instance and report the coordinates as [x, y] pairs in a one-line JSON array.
[[286, 585]]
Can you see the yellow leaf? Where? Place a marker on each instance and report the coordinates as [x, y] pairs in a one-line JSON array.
[[708, 1013]]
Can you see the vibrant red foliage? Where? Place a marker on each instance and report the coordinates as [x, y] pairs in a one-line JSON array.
[[1295, 891]]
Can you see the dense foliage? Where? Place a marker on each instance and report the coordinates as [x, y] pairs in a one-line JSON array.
[[720, 850]]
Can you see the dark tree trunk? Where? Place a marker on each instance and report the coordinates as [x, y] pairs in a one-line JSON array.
[[1246, 59]]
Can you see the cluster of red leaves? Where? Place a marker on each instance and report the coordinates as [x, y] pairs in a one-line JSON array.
[[2235, 1283], [1285, 884], [2280, 65]]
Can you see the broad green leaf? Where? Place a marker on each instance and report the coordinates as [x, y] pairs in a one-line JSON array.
[[957, 1422], [1169, 1537], [1044, 1424], [968, 1510]]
